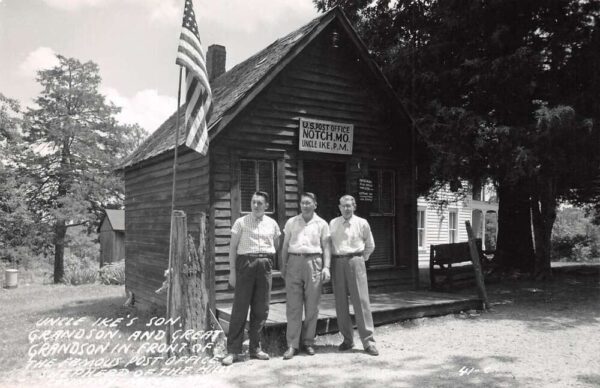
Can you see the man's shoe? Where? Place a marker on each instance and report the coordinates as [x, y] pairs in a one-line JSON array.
[[289, 354], [229, 359], [308, 349], [345, 346], [372, 350], [260, 355]]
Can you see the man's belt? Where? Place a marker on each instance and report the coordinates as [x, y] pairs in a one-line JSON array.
[[258, 255], [348, 255], [305, 255]]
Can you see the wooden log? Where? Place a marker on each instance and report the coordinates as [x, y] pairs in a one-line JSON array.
[[192, 281], [477, 266], [194, 294], [177, 256]]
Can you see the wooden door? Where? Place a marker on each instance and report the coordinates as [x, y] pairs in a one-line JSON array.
[[327, 180]]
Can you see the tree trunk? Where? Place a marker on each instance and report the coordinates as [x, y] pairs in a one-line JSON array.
[[60, 226], [60, 233], [515, 246], [543, 213]]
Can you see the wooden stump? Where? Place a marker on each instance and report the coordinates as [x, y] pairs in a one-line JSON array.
[[191, 283], [477, 267]]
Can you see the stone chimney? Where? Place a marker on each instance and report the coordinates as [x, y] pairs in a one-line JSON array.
[[215, 61]]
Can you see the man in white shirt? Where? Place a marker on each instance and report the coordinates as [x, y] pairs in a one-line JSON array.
[[305, 259], [254, 243], [352, 244]]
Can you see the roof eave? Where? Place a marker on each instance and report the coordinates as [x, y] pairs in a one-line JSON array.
[[233, 112]]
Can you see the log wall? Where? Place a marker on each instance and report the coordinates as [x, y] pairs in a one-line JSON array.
[[147, 218], [325, 84]]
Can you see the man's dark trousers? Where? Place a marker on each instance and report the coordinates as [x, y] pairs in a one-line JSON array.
[[252, 289]]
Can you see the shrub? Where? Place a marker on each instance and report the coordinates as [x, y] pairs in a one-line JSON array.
[[575, 237], [83, 244], [570, 248], [113, 273], [33, 267], [80, 270]]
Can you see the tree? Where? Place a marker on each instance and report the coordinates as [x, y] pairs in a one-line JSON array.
[[75, 142], [560, 166], [486, 83], [16, 222], [9, 118]]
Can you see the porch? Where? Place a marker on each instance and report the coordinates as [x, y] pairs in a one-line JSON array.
[[386, 307]]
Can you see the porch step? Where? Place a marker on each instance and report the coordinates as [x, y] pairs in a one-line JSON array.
[[386, 307]]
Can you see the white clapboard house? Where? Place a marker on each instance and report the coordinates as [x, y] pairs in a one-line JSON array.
[[446, 224]]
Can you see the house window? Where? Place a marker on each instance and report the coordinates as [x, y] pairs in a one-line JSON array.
[[452, 226], [421, 228], [257, 175]]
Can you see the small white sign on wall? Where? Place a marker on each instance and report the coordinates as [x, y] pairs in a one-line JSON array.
[[326, 136]]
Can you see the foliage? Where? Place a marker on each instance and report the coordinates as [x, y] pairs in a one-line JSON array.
[[491, 230], [83, 243], [113, 273], [18, 225], [80, 270], [10, 110], [74, 143], [575, 237], [76, 139]]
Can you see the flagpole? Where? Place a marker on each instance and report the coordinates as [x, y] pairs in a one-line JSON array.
[[170, 274]]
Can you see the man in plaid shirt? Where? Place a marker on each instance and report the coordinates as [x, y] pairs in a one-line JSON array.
[[254, 244]]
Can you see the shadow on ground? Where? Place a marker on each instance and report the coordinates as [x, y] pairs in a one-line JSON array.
[[569, 300], [402, 372]]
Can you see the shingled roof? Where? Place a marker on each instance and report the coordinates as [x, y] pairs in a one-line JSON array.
[[228, 90], [116, 219]]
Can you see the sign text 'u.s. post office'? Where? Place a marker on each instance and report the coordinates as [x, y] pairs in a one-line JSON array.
[[326, 136]]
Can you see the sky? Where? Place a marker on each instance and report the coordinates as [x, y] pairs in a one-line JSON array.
[[134, 43]]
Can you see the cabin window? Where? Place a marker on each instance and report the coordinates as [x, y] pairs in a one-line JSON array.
[[383, 199], [382, 217], [421, 228], [257, 175], [452, 226]]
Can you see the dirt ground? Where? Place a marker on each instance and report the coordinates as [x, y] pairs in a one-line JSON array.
[[536, 335]]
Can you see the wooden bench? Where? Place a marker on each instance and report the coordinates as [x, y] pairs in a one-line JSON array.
[[450, 265]]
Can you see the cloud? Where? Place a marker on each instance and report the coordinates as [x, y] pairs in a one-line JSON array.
[[146, 108], [39, 59], [157, 10], [164, 11], [250, 16], [71, 5], [241, 15]]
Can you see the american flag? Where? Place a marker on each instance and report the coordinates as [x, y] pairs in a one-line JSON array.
[[198, 96]]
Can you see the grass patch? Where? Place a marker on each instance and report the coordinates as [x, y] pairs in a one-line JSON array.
[[106, 322]]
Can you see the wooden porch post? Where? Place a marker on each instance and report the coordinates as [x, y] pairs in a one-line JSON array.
[[483, 213], [477, 266]]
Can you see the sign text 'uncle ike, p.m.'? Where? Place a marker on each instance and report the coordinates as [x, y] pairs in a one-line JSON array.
[[326, 136]]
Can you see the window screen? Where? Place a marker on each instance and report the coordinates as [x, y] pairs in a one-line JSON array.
[[256, 175]]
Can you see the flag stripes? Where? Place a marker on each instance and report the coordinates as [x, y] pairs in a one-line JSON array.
[[198, 93]]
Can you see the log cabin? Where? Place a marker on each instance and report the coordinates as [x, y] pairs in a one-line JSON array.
[[310, 112]]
